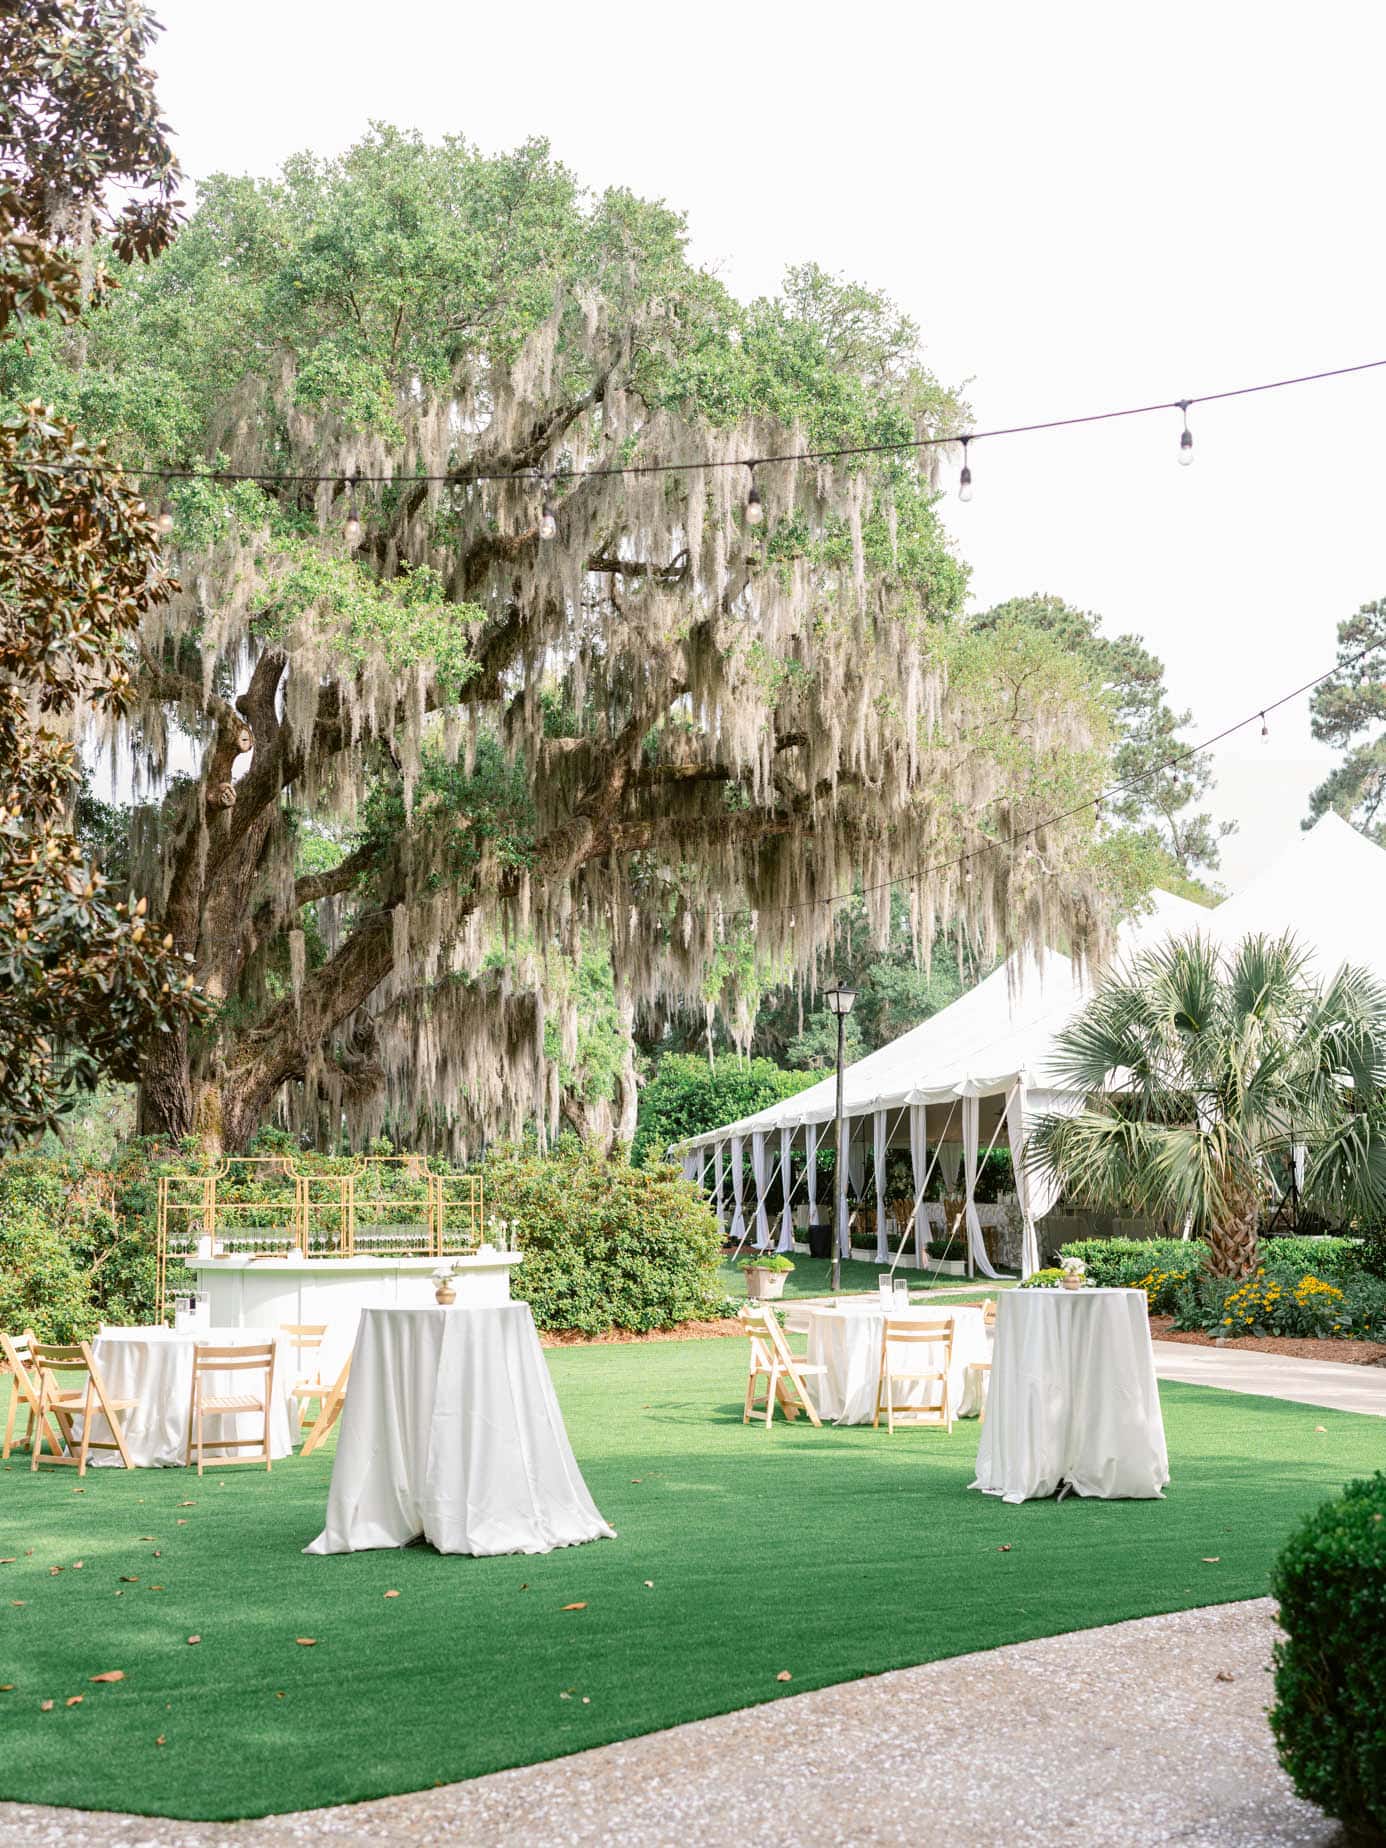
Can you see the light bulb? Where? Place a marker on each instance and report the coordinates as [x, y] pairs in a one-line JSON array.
[[965, 483], [548, 522], [1265, 729], [755, 508], [352, 529], [1186, 449], [164, 519]]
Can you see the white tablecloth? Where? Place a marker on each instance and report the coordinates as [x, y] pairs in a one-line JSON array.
[[451, 1431], [846, 1339], [155, 1366], [1073, 1398]]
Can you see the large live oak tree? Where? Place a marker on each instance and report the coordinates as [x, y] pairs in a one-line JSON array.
[[399, 783]]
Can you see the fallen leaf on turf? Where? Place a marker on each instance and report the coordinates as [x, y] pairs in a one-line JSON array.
[[77, 1564], [587, 1700], [194, 1639], [1214, 1560], [306, 1642], [279, 1695], [649, 1584], [75, 1700], [127, 1579], [110, 1674], [156, 1587], [574, 1607], [1004, 1549], [784, 1675], [45, 1706], [180, 1522], [156, 1554], [637, 1478], [1222, 1675], [192, 1504], [19, 1602], [6, 1687], [161, 1740], [149, 1536], [79, 1491], [8, 1562], [1320, 1427], [53, 1571], [391, 1594]]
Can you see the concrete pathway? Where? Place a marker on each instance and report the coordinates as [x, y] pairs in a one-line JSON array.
[[1138, 1733], [1328, 1383]]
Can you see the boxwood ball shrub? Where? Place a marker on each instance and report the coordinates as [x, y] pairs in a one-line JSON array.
[[606, 1245], [1329, 1716]]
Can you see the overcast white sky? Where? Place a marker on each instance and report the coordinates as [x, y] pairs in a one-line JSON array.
[[1083, 206]]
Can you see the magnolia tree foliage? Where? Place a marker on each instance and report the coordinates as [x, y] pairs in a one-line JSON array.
[[86, 980], [434, 767]]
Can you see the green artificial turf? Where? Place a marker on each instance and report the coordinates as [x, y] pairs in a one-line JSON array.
[[829, 1554], [813, 1277]]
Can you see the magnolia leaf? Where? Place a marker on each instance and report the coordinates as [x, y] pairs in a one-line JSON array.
[[306, 1642], [391, 1594], [110, 1674], [75, 1700], [784, 1675], [574, 1607], [45, 1706], [194, 1639]]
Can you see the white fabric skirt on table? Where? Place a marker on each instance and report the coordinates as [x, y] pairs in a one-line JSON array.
[[451, 1433], [846, 1339], [155, 1366], [1073, 1398]]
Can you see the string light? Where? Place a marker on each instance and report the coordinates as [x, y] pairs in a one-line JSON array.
[[164, 519], [548, 518], [755, 510], [1265, 729], [1186, 440], [147, 472], [965, 478], [352, 529]]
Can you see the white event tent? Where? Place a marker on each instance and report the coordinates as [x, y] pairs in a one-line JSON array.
[[982, 1067]]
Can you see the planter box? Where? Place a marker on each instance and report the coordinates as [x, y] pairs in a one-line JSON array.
[[764, 1283], [950, 1267]]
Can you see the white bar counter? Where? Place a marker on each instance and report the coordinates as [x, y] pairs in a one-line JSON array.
[[248, 1292]]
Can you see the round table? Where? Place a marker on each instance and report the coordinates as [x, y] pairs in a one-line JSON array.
[[846, 1339], [155, 1366], [1073, 1400], [451, 1433]]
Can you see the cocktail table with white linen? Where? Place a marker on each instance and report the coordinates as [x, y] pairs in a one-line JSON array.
[[845, 1338], [1073, 1398], [155, 1367], [451, 1433]]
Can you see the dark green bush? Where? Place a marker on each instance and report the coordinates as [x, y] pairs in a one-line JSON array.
[[1329, 1717], [43, 1284], [606, 1245], [1114, 1263]]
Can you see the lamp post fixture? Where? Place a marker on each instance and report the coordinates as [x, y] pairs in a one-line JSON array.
[[840, 1000]]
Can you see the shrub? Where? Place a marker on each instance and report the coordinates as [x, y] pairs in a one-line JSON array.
[[946, 1247], [687, 1096], [766, 1261], [43, 1286], [1329, 1716], [1326, 1257], [606, 1245], [1117, 1263]]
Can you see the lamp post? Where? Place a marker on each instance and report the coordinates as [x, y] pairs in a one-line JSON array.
[[840, 1000]]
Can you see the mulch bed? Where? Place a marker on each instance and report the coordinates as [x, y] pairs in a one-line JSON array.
[[1353, 1353]]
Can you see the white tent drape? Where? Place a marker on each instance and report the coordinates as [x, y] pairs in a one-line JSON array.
[[856, 1158], [693, 1165], [878, 1162], [1025, 1185], [738, 1179], [971, 1129], [811, 1169], [758, 1175], [950, 1164], [786, 1189], [718, 1207], [919, 1167]]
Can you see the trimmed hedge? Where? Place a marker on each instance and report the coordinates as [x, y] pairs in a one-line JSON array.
[[606, 1245], [1329, 1717], [1118, 1262]]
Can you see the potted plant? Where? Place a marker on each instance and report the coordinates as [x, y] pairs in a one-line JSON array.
[[1075, 1272], [765, 1273], [946, 1254], [820, 1240]]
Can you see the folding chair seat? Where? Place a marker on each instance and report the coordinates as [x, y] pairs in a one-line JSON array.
[[984, 1366], [785, 1375], [208, 1404], [907, 1362], [65, 1404], [329, 1411]]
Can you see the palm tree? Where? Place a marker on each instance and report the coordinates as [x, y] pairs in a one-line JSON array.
[[1201, 1069]]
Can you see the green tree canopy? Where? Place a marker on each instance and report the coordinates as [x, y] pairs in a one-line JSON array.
[[662, 726], [1344, 708]]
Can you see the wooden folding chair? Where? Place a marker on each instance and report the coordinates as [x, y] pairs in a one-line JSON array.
[[205, 1404], [984, 1366], [783, 1372], [66, 1404], [17, 1362], [305, 1338], [328, 1412], [898, 1333]]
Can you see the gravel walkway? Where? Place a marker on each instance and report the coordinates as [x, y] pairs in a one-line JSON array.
[[1138, 1733]]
